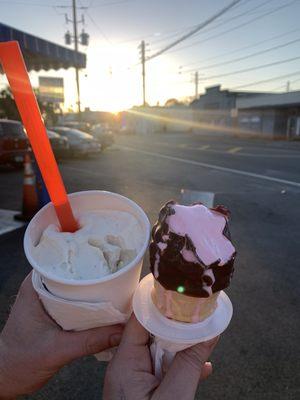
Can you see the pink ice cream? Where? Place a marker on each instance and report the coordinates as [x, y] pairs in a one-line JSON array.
[[209, 243]]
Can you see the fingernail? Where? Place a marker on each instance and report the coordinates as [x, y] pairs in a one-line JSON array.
[[115, 339]]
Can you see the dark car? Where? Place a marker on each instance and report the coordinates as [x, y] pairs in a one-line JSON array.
[[80, 143], [59, 144], [13, 142], [103, 134]]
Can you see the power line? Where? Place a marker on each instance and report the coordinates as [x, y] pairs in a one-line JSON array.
[[195, 30], [113, 3], [265, 81], [175, 32], [169, 34], [222, 21], [246, 47], [282, 86], [226, 20], [280, 46], [22, 3], [236, 27], [240, 71], [99, 29], [95, 23]]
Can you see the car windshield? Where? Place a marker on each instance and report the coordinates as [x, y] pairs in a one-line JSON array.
[[12, 129]]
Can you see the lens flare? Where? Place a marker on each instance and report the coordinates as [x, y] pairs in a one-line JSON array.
[[180, 289]]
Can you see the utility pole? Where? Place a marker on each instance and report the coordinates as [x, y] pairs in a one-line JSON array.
[[196, 85], [76, 49], [288, 86], [143, 61], [83, 39]]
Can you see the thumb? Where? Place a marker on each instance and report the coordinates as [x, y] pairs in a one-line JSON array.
[[79, 344], [135, 334], [206, 371], [193, 358], [186, 367]]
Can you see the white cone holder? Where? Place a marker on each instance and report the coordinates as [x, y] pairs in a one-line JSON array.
[[172, 336]]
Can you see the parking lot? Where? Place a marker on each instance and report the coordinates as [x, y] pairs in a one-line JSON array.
[[259, 182]]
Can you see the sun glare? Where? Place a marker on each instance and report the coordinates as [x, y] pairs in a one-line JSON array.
[[114, 82], [111, 78]]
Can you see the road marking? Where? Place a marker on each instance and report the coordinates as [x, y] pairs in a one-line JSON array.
[[216, 167], [7, 221], [234, 150], [191, 196], [256, 155]]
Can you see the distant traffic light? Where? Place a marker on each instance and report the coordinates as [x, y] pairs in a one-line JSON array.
[[68, 38], [84, 38]]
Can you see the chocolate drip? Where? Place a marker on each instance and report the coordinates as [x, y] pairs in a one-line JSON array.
[[174, 271]]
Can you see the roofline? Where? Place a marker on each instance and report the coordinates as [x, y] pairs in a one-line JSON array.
[[38, 37]]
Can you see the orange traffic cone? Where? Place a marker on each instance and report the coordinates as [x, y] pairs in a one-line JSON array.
[[30, 199]]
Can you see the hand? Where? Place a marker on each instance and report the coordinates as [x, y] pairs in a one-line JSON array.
[[33, 347], [129, 375]]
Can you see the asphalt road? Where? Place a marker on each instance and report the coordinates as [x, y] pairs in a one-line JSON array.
[[258, 355]]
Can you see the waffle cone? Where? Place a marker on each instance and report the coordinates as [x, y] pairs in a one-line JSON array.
[[180, 307]]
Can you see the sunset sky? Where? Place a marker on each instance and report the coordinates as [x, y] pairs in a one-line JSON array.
[[112, 79]]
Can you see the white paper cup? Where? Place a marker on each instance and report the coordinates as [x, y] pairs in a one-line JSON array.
[[117, 288]]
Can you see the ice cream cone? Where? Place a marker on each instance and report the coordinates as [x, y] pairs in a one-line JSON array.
[[183, 308]]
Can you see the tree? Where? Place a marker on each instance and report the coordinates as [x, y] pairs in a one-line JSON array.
[[8, 107], [173, 102]]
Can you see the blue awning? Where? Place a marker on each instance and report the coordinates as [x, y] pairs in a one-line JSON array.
[[39, 54]]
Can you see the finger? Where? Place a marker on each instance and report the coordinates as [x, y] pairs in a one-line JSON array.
[[26, 290], [186, 367], [135, 334], [195, 357], [206, 371], [31, 304], [78, 344]]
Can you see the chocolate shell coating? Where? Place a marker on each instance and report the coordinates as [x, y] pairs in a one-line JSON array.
[[172, 271]]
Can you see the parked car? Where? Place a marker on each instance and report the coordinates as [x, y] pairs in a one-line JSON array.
[[80, 143], [13, 142], [82, 126], [103, 134], [60, 144]]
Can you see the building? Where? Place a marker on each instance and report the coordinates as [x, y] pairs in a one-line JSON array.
[[215, 105], [89, 116], [267, 115], [273, 116]]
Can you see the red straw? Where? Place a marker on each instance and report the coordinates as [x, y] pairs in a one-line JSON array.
[[13, 64]]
